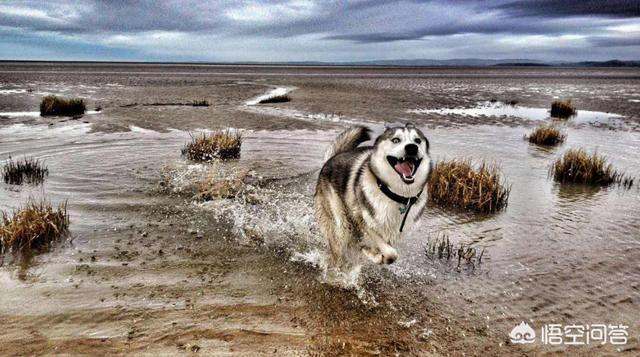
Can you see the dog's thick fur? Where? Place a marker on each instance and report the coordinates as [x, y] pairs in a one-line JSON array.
[[354, 214]]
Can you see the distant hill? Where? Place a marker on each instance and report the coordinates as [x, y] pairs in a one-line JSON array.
[[612, 63], [455, 62], [477, 62]]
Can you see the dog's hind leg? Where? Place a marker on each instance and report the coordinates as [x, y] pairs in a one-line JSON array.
[[333, 225]]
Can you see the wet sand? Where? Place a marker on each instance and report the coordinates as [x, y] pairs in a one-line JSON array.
[[149, 270]]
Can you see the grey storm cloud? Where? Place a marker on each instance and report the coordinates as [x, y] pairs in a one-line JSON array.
[[615, 41], [562, 8], [332, 26], [112, 16], [361, 21]]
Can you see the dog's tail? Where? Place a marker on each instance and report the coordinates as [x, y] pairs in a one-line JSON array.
[[348, 140]]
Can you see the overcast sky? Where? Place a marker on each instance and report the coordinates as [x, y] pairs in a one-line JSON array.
[[315, 30]]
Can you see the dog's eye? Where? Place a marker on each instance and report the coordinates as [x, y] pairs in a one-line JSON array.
[[418, 141], [395, 140]]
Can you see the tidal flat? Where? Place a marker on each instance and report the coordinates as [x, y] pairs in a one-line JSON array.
[[148, 268]]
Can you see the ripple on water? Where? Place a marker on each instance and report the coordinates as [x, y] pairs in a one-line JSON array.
[[555, 251]]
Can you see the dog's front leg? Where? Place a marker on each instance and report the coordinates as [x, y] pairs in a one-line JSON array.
[[378, 250]]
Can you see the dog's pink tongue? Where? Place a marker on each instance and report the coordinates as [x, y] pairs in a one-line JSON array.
[[404, 168]]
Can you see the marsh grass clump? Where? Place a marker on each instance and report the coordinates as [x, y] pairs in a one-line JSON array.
[[212, 189], [563, 108], [238, 185], [33, 227], [224, 145], [458, 184], [546, 135], [52, 105], [577, 166], [441, 248], [276, 99], [27, 170], [200, 103]]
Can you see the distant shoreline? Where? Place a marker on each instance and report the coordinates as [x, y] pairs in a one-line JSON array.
[[368, 64]]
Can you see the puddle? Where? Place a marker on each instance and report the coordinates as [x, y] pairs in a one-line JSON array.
[[498, 109]]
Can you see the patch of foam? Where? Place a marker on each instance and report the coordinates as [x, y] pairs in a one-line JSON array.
[[137, 129], [276, 92], [19, 131], [12, 91], [182, 177], [313, 257], [20, 114], [36, 114], [280, 217]]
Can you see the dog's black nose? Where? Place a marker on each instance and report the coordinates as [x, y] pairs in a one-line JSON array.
[[411, 149]]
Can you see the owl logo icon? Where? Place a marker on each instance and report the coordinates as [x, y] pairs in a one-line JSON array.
[[522, 334]]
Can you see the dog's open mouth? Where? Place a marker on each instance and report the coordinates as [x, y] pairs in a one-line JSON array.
[[406, 167]]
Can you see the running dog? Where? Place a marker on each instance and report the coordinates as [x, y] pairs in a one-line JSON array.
[[367, 196]]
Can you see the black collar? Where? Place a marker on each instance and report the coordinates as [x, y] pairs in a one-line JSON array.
[[395, 197]]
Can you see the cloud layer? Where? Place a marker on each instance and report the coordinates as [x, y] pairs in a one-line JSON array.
[[316, 30]]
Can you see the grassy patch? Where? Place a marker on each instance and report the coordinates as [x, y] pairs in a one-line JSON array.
[[230, 186], [563, 108], [276, 99], [458, 184], [27, 170], [193, 103], [52, 105], [33, 227], [577, 166], [546, 135], [200, 103], [224, 144], [441, 248]]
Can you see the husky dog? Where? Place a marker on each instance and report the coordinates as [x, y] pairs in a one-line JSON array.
[[366, 197]]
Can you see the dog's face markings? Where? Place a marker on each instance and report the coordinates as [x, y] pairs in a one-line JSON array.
[[404, 150]]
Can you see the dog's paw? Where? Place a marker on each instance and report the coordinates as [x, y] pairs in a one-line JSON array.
[[373, 254], [389, 255], [386, 255]]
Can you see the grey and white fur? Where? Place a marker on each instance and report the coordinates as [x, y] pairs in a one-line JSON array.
[[354, 199]]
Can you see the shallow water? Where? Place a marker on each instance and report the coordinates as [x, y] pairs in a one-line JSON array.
[[501, 109], [556, 254]]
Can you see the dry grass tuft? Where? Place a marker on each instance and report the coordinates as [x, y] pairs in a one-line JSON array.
[[52, 105], [233, 186], [546, 135], [222, 145], [441, 248], [563, 108], [200, 103], [33, 227], [220, 188], [576, 166], [457, 184], [27, 170], [276, 99]]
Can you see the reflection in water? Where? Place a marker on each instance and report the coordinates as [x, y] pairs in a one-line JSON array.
[[571, 193]]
